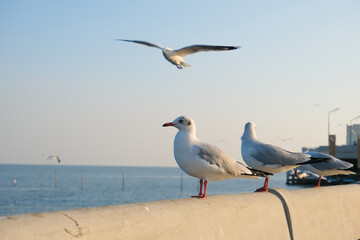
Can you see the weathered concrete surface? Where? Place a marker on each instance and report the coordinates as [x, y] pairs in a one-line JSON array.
[[245, 216], [325, 213]]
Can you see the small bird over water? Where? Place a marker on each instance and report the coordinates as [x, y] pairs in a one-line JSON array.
[[176, 56], [204, 161], [57, 158]]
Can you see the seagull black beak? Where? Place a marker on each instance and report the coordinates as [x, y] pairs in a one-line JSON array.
[[169, 124]]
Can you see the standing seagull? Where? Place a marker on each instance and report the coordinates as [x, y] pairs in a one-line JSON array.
[[202, 160], [334, 167], [176, 56], [269, 158]]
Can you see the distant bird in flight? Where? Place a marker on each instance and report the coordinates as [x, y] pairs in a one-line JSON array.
[[57, 158], [176, 56]]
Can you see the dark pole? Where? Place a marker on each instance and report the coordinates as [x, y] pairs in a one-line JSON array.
[[123, 178], [55, 180], [332, 144], [82, 179], [42, 179], [182, 183]]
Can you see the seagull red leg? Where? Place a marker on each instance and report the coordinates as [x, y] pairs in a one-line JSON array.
[[318, 185], [200, 192], [265, 187], [205, 190]]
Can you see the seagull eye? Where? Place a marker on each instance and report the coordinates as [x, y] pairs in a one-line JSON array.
[[181, 121]]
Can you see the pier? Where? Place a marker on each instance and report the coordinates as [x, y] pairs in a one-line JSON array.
[[323, 213]]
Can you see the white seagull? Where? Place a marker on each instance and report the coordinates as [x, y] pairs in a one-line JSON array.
[[52, 157], [270, 158], [202, 160], [335, 166], [176, 56]]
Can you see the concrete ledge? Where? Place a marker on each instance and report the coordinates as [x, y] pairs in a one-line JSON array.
[[325, 213]]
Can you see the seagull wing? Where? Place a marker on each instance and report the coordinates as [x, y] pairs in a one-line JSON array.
[[274, 155], [202, 48], [334, 163], [216, 156], [149, 44]]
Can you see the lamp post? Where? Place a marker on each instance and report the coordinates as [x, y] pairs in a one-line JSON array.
[[352, 128], [329, 119]]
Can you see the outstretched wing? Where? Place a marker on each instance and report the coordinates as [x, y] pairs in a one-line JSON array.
[[149, 44], [202, 48]]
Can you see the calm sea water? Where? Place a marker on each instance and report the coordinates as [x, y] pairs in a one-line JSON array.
[[70, 187]]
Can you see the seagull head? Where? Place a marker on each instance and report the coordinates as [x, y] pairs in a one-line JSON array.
[[249, 131], [166, 50], [183, 123]]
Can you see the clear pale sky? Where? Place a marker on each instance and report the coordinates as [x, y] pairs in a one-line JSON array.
[[68, 89]]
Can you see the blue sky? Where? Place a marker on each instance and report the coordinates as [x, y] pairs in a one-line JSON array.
[[68, 89]]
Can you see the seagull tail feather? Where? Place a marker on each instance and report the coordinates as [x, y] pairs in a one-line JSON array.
[[185, 64]]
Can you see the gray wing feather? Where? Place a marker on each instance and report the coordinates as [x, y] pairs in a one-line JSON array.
[[202, 48], [149, 44], [217, 157], [334, 163], [273, 155]]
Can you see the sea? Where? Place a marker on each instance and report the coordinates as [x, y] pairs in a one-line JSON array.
[[43, 188]]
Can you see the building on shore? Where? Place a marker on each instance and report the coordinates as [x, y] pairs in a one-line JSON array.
[[352, 133]]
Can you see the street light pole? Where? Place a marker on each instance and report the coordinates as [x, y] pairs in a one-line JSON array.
[[351, 128], [334, 110]]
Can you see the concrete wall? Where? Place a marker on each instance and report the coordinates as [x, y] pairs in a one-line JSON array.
[[325, 213]]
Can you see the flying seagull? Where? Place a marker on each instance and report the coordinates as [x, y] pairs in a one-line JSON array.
[[52, 157], [270, 158], [176, 56], [205, 161]]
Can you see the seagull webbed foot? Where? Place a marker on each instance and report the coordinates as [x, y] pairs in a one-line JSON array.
[[200, 196], [262, 189]]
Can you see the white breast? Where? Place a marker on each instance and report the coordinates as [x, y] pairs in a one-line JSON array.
[[190, 162]]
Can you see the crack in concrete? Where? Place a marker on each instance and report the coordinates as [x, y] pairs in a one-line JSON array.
[[77, 235]]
